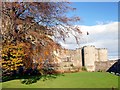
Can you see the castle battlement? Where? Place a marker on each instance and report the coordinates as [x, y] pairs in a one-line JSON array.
[[85, 56], [101, 48], [89, 46]]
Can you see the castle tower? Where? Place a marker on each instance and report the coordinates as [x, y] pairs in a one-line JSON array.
[[96, 54], [78, 57], [89, 57], [102, 54]]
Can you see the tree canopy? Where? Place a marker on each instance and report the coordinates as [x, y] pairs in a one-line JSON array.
[[34, 24]]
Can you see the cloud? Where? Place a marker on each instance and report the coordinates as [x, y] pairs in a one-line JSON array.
[[101, 35], [102, 23]]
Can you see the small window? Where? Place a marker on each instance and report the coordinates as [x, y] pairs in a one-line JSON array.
[[68, 59]]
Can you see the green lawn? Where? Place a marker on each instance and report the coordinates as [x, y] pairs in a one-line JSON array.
[[71, 80]]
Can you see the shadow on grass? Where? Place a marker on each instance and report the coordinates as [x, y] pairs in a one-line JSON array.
[[30, 79], [34, 79]]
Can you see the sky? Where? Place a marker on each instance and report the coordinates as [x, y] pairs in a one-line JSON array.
[[100, 19], [92, 13]]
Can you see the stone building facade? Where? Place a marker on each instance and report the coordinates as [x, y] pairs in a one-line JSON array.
[[89, 57]]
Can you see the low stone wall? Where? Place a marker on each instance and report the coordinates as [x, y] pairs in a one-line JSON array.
[[99, 66], [104, 65], [68, 67]]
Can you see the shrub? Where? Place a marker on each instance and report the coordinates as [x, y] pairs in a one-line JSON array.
[[84, 68], [12, 58]]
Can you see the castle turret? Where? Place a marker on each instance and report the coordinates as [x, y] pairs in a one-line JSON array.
[[102, 54], [89, 57]]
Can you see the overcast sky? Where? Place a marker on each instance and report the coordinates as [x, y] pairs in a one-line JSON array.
[[101, 21]]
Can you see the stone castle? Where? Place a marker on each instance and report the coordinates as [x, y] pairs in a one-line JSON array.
[[88, 57]]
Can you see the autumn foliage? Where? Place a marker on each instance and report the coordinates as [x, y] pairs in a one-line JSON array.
[[28, 29], [12, 57]]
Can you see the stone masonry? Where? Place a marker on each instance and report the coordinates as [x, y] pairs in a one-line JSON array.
[[88, 57]]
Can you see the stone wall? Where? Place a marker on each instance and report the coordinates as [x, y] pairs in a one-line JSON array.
[[104, 65], [68, 60], [96, 55], [94, 59], [102, 54]]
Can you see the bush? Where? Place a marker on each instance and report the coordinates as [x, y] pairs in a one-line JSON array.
[[12, 58], [84, 68], [101, 70]]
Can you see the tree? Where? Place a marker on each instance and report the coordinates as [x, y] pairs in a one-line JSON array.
[[12, 58], [35, 23], [51, 15]]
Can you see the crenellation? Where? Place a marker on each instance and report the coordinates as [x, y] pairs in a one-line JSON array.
[[86, 56]]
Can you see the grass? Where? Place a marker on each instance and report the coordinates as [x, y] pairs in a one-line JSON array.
[[70, 80]]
